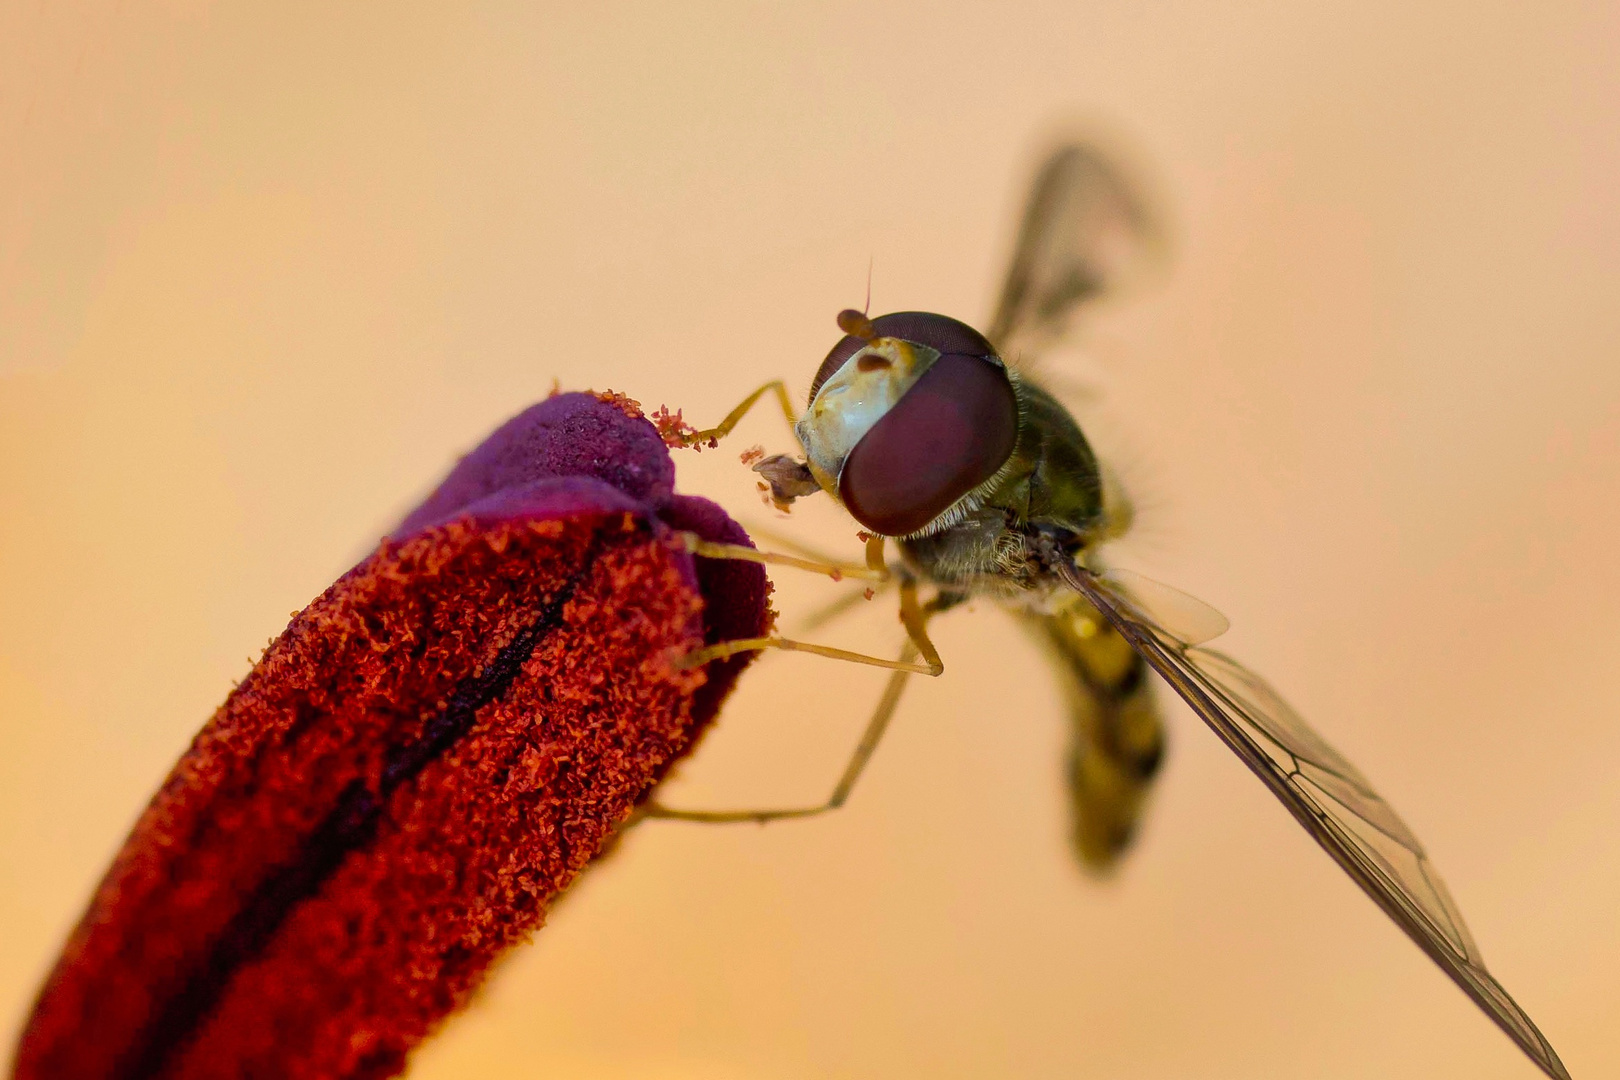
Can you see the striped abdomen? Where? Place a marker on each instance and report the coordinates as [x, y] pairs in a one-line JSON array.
[[1117, 737]]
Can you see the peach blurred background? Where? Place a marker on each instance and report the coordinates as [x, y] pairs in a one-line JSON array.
[[266, 270]]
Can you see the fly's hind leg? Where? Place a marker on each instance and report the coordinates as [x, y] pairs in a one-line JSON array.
[[846, 782], [914, 616]]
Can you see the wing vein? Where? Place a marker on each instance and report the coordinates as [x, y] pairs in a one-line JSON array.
[[1248, 716]]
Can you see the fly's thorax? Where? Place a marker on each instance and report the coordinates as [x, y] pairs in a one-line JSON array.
[[910, 422], [981, 554], [1064, 484]]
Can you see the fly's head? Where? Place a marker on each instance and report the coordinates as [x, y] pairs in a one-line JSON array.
[[909, 414]]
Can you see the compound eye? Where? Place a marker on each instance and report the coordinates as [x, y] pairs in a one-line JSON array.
[[948, 434], [939, 332]]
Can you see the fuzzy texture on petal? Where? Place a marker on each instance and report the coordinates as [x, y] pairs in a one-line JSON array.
[[427, 756]]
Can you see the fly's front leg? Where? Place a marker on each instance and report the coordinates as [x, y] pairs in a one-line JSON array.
[[785, 479], [712, 436]]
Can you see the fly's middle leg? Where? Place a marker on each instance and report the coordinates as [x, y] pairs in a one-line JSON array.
[[912, 615], [818, 564]]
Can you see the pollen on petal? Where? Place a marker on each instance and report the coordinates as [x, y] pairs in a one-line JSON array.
[[433, 749]]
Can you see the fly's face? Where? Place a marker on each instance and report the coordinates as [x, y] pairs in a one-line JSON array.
[[855, 398], [909, 414]]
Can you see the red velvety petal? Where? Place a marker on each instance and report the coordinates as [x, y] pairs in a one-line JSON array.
[[427, 756]]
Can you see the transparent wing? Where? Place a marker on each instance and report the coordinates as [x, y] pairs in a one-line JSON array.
[[1185, 618], [1327, 795], [1087, 229]]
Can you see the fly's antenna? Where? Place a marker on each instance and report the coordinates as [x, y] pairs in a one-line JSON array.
[[856, 323]]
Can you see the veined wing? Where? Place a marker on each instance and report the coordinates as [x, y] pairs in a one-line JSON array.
[[1327, 795], [1086, 229]]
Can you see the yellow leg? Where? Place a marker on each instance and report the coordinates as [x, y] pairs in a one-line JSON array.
[[912, 616], [721, 650], [838, 607], [846, 783], [721, 430], [837, 571], [874, 555]]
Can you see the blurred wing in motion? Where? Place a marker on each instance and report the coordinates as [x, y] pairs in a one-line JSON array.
[[1325, 794], [1087, 229]]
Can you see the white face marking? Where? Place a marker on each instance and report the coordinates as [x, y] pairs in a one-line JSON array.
[[852, 399]]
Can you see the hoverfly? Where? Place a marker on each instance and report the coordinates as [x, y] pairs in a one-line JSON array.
[[919, 427]]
